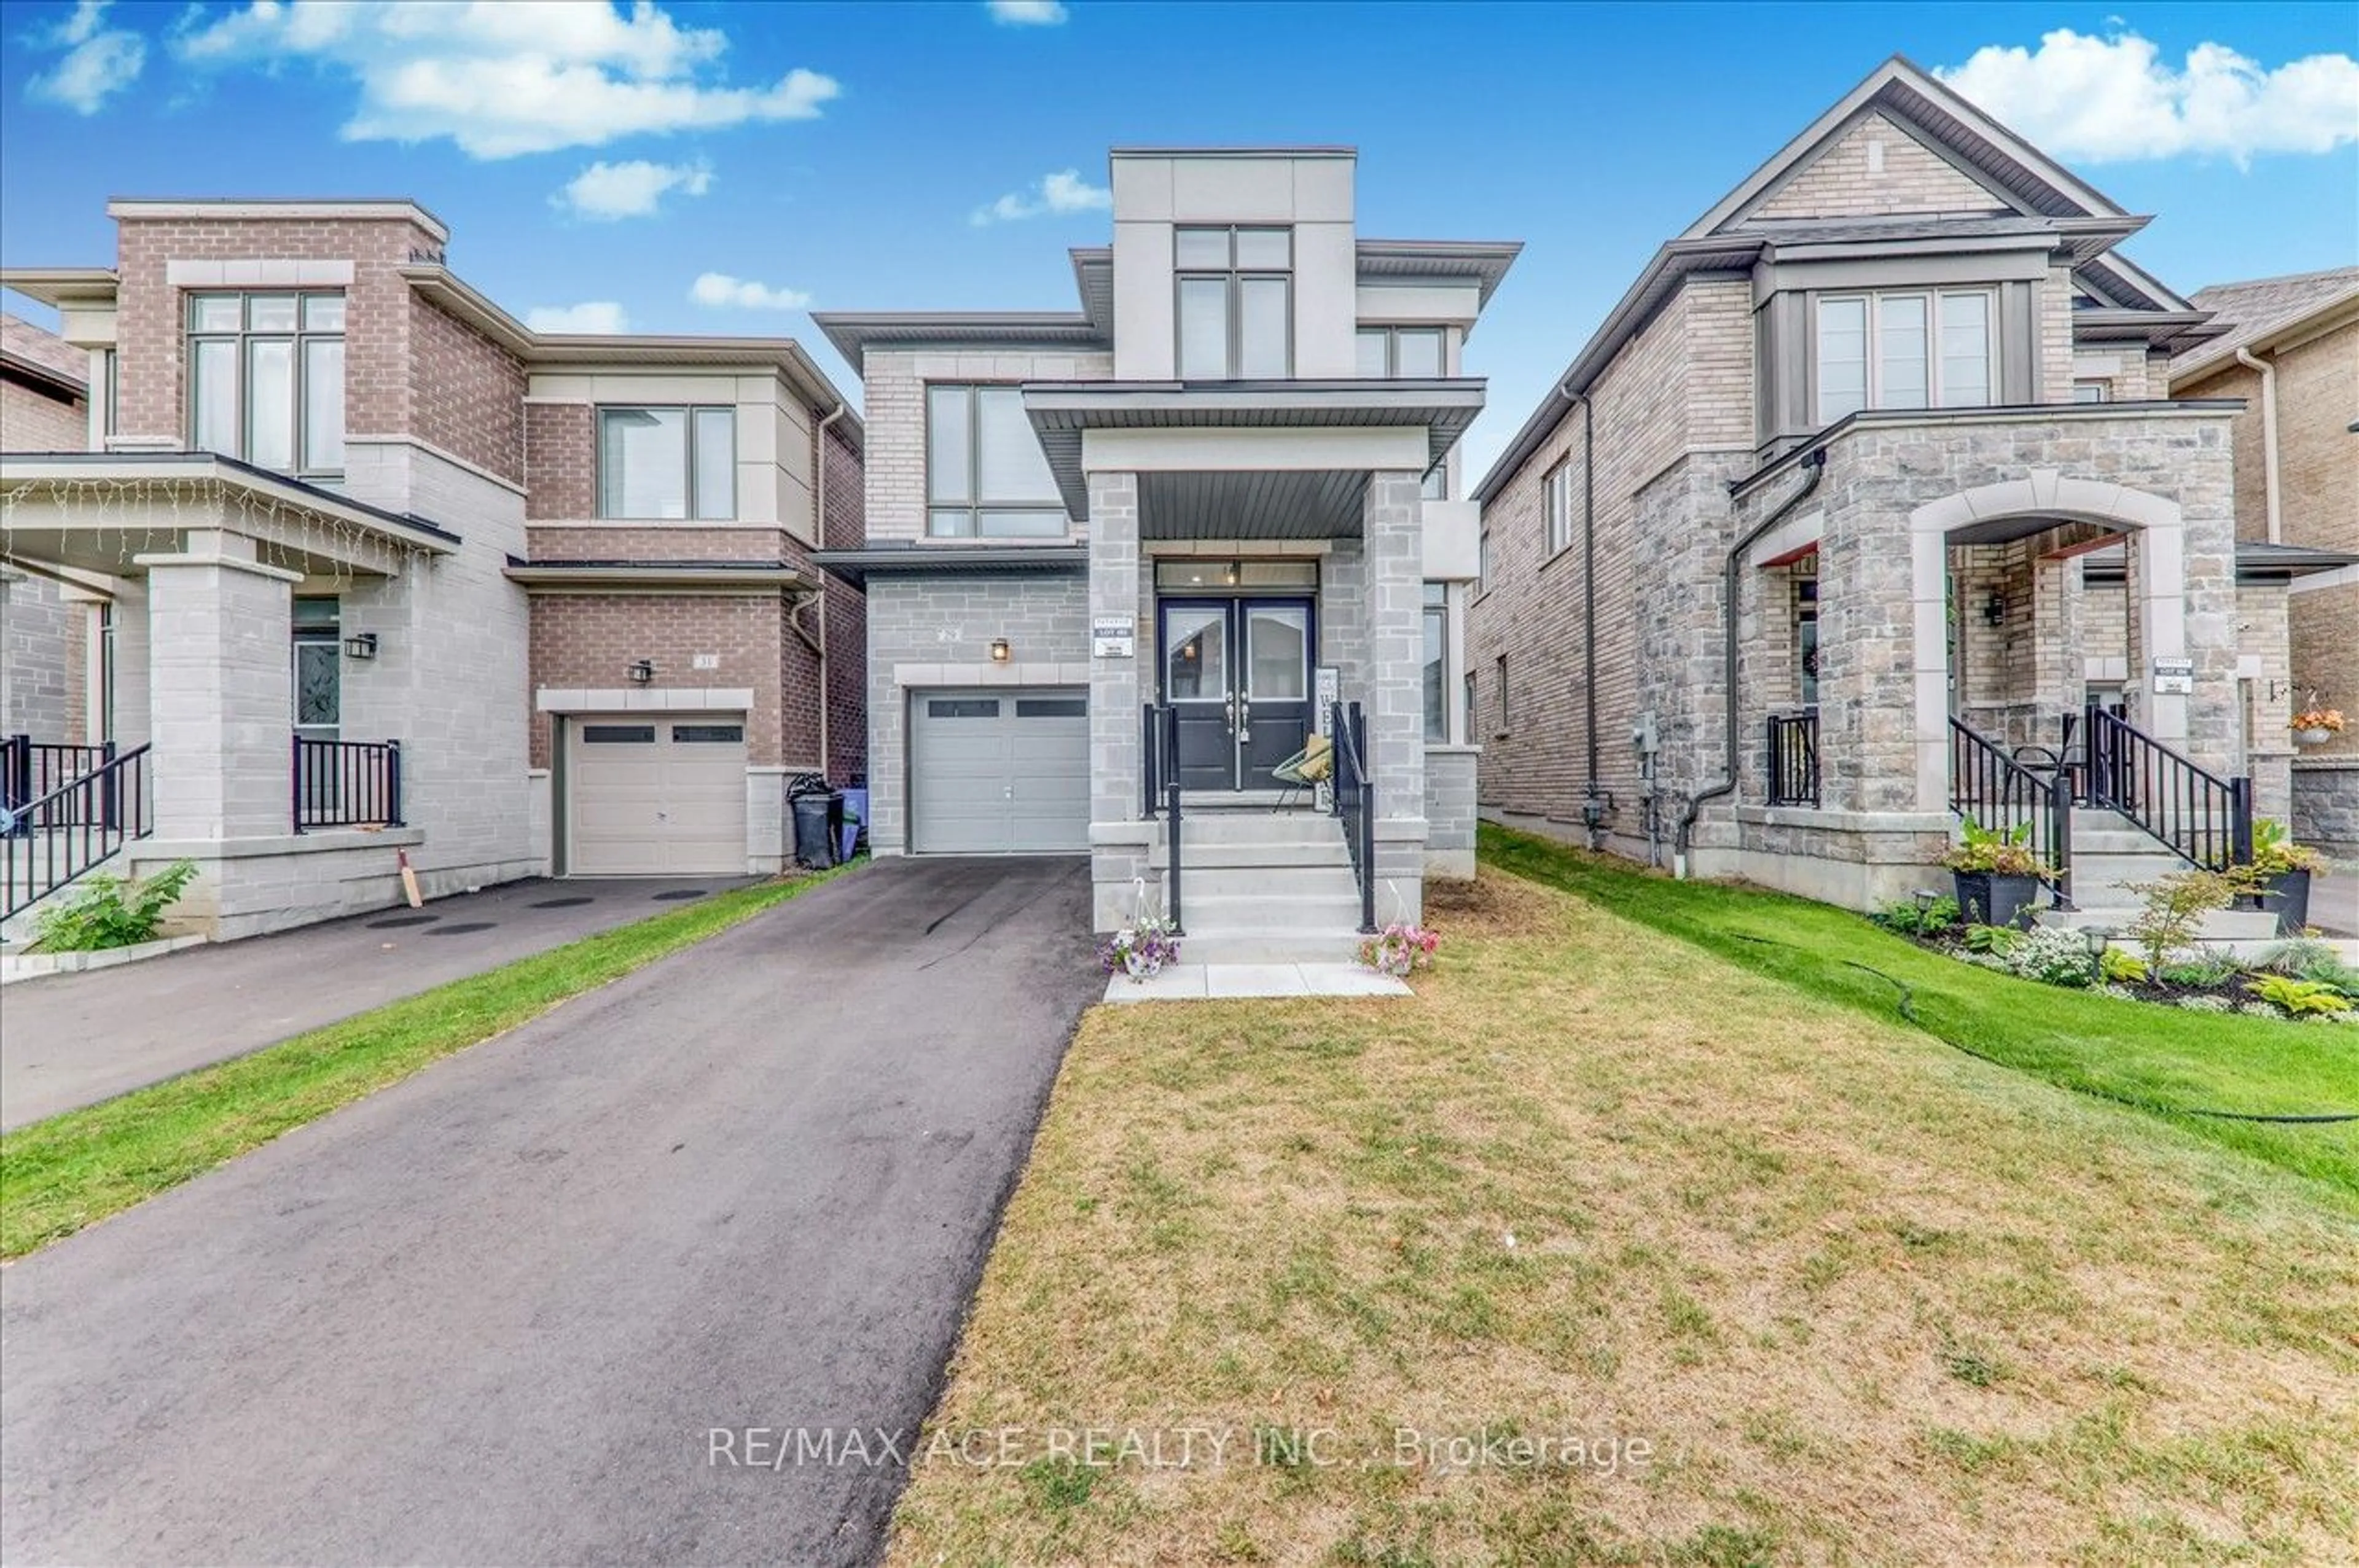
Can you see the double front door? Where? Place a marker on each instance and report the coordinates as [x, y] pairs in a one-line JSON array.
[[1237, 673]]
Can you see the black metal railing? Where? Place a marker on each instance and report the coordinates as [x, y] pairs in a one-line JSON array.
[[80, 824], [2000, 793], [30, 769], [1355, 801], [1794, 759], [1158, 756], [346, 783], [2204, 819]]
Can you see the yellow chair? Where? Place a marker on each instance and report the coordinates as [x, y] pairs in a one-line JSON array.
[[1313, 765]]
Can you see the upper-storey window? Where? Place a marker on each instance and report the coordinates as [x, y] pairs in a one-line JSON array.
[[1556, 503], [669, 463], [1929, 350], [1401, 352], [267, 379], [1235, 303], [986, 474]]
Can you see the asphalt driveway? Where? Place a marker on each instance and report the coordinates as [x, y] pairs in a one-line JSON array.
[[496, 1313], [75, 1039]]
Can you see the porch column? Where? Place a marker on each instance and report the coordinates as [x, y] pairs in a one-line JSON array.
[[1121, 843], [1393, 563], [219, 689]]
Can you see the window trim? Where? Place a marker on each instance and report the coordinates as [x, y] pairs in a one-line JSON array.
[[1434, 604], [1234, 276], [1391, 332], [690, 513], [975, 506], [298, 339], [1556, 508], [1499, 667], [1871, 301]]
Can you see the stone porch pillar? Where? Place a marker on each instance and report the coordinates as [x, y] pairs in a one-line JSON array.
[[219, 689], [1121, 841], [1394, 567]]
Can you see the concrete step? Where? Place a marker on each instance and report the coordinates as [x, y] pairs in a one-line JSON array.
[[2116, 841], [1265, 827], [1196, 855], [1291, 944], [1197, 883], [1271, 911]]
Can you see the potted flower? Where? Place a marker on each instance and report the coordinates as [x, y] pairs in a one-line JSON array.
[[2279, 875], [1998, 875], [1140, 949], [2316, 724], [1399, 948]]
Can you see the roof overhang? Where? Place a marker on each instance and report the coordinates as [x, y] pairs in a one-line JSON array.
[[659, 577], [855, 333], [2325, 315], [935, 560], [99, 510], [1484, 262], [42, 378], [2258, 563], [59, 286], [1063, 413]]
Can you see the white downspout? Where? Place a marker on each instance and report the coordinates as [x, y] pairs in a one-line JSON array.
[[2273, 494]]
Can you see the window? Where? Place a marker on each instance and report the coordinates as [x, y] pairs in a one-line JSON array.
[[618, 734], [707, 734], [319, 672], [985, 475], [1556, 496], [1806, 639], [267, 379], [2092, 392], [1903, 351], [1500, 680], [1436, 661], [1052, 708], [1401, 353], [668, 463], [1235, 303], [1483, 561]]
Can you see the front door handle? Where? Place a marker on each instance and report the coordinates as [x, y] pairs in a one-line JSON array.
[[1229, 712]]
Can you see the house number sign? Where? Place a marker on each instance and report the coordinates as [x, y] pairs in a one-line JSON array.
[[1114, 637], [2174, 677]]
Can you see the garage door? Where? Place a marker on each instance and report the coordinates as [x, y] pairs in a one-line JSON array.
[[657, 795], [999, 772]]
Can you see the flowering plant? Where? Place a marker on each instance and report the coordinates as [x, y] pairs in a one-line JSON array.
[[1399, 948], [2317, 717], [1140, 949]]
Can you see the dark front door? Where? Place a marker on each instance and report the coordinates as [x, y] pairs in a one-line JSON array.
[[1237, 671]]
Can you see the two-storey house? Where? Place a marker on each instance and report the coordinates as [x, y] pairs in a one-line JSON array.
[[378, 569], [1127, 564], [1794, 566]]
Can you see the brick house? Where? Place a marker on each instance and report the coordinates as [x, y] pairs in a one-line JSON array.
[[2290, 350], [376, 568], [1123, 562], [1814, 546]]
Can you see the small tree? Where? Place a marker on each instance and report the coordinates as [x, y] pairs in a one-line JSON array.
[[2174, 907]]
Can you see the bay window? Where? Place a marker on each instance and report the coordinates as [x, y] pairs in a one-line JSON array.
[[1235, 303], [1436, 616], [667, 464], [1921, 349], [267, 379], [985, 475]]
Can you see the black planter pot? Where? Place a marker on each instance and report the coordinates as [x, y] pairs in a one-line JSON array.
[[1986, 898], [2286, 895]]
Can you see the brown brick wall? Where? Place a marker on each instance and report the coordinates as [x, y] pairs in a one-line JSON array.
[[33, 421], [466, 393], [561, 457], [845, 527], [582, 640], [686, 542]]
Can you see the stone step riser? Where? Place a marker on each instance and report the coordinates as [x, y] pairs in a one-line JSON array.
[[1287, 884], [1258, 828], [1270, 948], [1225, 912], [1196, 857]]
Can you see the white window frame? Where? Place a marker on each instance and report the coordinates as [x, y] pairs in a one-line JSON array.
[[1872, 303], [1556, 508]]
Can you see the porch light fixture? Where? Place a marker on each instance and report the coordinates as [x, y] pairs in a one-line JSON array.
[[1994, 608], [1000, 652], [642, 671], [361, 646]]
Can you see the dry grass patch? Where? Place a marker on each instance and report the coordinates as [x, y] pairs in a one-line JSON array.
[[1864, 1298]]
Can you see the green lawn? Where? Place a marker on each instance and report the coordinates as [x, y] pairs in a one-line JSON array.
[[2162, 1060], [58, 1176]]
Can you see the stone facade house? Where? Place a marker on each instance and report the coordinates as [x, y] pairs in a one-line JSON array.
[[1867, 506], [2289, 352], [1140, 548], [373, 567]]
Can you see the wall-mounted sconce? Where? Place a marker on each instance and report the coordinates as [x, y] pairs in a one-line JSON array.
[[1994, 608], [642, 671], [2278, 689], [361, 646], [1000, 652]]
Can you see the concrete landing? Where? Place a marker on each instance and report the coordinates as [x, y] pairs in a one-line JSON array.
[[1200, 983]]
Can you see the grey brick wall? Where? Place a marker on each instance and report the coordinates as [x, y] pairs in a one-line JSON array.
[[2326, 807], [42, 644]]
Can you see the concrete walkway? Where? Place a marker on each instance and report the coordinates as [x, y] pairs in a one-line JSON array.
[[2335, 903], [73, 1040], [1202, 982], [522, 1307]]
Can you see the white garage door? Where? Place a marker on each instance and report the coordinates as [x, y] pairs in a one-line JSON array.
[[999, 772], [657, 795]]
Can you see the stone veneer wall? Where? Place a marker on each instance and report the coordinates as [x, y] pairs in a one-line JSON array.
[[43, 640]]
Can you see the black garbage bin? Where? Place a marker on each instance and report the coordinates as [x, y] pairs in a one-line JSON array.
[[815, 817]]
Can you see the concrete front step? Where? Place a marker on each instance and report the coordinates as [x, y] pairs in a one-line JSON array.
[[1200, 886], [1270, 909], [1259, 828], [1195, 855], [1300, 944]]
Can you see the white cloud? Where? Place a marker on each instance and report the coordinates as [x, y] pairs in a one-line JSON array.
[[603, 317], [1025, 13], [2114, 100], [1064, 192], [502, 80], [98, 62], [723, 292], [606, 191]]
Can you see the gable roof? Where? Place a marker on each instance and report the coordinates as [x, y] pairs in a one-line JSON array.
[[2261, 309], [2047, 199], [43, 355]]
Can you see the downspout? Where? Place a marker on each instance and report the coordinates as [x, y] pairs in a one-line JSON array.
[[1814, 465], [2268, 375], [819, 531], [1592, 807]]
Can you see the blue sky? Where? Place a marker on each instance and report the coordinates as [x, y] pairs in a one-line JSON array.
[[730, 164]]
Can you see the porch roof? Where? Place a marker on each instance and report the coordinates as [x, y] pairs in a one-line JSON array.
[[94, 511], [1063, 412], [2257, 562], [967, 559]]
